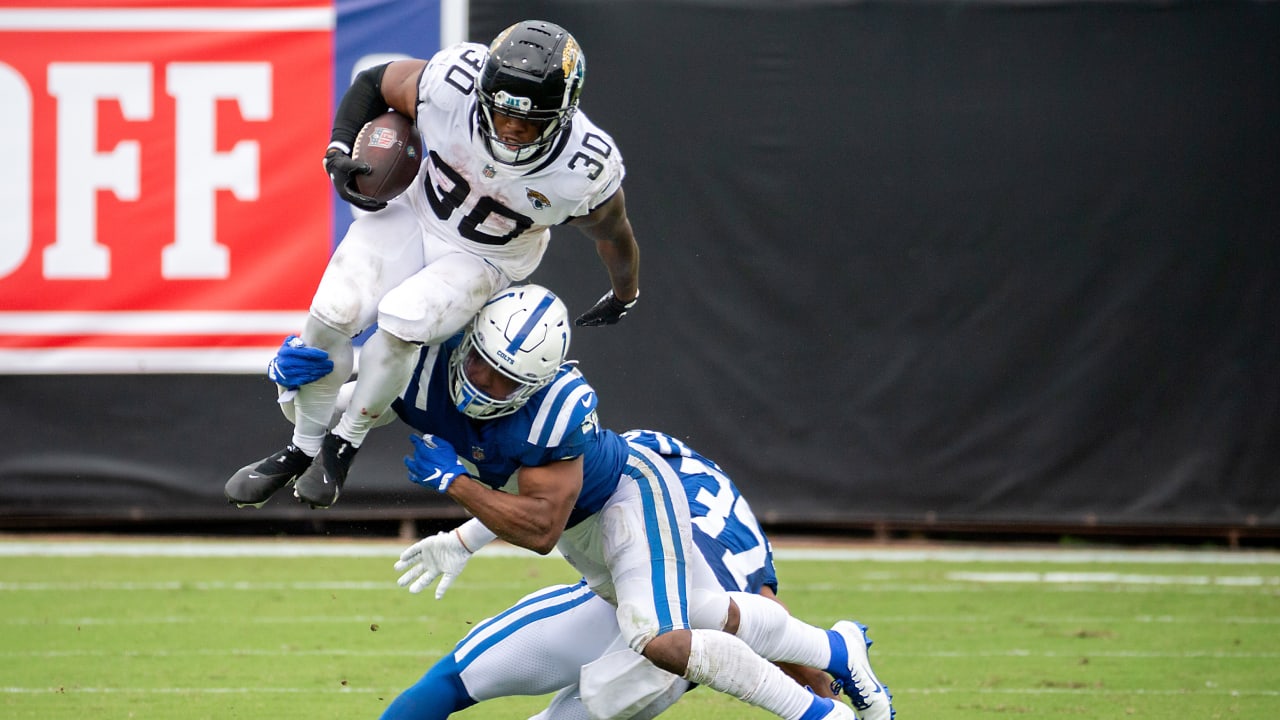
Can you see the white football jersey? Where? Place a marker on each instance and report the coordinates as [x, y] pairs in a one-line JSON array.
[[498, 211]]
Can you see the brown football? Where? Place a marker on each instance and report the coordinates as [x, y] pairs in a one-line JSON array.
[[391, 145]]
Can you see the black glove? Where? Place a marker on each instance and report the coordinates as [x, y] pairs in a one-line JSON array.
[[607, 311], [342, 171]]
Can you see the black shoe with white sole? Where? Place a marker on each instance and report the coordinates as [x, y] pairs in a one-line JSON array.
[[254, 484], [321, 484]]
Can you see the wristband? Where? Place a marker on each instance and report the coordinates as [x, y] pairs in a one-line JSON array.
[[474, 535]]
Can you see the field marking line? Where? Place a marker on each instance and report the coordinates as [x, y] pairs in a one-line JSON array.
[[1086, 578], [187, 547], [1086, 691], [410, 619], [958, 583], [437, 652]]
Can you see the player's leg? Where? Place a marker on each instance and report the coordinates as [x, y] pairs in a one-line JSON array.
[[619, 685], [647, 544], [535, 647], [771, 631], [424, 309], [378, 252]]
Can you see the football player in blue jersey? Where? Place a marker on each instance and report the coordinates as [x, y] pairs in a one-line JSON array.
[[538, 470], [523, 650]]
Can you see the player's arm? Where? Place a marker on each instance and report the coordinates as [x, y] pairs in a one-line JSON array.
[[400, 86], [373, 90], [610, 228], [536, 517]]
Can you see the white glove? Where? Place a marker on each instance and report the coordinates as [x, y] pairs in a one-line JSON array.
[[442, 555]]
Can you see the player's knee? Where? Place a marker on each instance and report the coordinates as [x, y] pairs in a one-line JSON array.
[[393, 347], [431, 317], [637, 626], [320, 333], [342, 312], [708, 609]]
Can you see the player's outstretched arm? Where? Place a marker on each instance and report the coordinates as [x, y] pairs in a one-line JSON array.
[[610, 228], [443, 555]]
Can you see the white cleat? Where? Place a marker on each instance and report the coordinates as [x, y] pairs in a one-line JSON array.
[[870, 698]]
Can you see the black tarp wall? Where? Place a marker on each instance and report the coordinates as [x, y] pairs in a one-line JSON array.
[[1001, 264]]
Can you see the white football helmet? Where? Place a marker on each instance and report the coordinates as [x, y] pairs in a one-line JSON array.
[[523, 333]]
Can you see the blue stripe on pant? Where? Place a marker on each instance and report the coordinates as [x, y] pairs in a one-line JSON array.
[[654, 479], [527, 611]]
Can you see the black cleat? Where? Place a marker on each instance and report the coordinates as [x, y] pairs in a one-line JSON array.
[[255, 484], [321, 484]]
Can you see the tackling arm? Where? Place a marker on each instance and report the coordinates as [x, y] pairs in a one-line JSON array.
[[536, 517]]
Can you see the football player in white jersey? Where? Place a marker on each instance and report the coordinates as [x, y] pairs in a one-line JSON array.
[[565, 638], [509, 155], [542, 474]]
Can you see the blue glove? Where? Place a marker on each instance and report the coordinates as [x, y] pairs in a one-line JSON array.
[[296, 364], [434, 462]]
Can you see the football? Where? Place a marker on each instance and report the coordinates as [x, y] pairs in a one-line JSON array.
[[391, 145]]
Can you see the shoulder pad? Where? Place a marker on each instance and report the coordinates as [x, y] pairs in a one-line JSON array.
[[451, 74], [564, 408]]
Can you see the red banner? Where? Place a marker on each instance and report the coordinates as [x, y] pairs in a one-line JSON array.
[[164, 208]]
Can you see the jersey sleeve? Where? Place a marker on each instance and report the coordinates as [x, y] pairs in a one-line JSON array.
[[564, 420], [450, 76], [594, 150]]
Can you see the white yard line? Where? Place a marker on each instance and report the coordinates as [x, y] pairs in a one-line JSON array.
[[188, 547], [1082, 691]]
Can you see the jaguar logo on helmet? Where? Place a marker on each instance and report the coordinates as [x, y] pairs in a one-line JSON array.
[[571, 62]]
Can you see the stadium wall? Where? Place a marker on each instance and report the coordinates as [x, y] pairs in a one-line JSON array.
[[919, 265]]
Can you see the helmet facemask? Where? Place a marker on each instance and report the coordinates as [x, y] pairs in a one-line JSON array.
[[523, 334]]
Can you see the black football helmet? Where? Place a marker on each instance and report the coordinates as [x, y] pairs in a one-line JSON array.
[[535, 72]]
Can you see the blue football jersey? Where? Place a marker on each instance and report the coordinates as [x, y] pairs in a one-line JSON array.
[[558, 423], [724, 527]]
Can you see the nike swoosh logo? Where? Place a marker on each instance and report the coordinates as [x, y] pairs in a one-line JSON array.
[[586, 401], [324, 479], [435, 475], [254, 476]]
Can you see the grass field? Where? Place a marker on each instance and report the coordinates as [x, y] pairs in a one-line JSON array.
[[186, 628]]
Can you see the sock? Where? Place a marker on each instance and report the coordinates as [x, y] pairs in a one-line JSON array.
[[724, 663], [838, 665], [767, 627]]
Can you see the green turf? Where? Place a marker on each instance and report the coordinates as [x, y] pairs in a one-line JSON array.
[[332, 637]]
